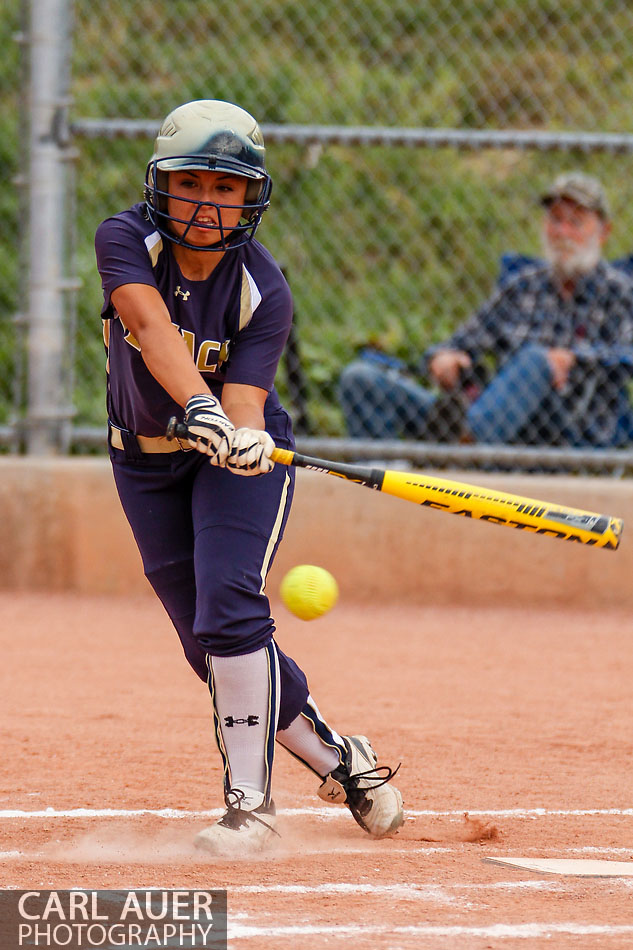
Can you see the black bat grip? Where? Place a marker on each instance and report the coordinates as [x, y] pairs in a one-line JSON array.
[[176, 430]]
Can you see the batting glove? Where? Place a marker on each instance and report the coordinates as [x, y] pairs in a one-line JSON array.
[[250, 452], [209, 429]]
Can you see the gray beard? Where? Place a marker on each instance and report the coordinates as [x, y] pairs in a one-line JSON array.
[[577, 260]]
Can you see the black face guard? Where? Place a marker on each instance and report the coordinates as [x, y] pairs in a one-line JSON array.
[[228, 238]]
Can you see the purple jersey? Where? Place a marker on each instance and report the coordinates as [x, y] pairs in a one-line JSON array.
[[235, 322]]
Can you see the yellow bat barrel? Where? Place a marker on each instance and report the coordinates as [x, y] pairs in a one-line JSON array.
[[488, 504]]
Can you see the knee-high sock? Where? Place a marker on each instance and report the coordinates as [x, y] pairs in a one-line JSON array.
[[310, 739], [245, 694]]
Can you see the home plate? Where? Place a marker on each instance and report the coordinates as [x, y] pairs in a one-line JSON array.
[[573, 868]]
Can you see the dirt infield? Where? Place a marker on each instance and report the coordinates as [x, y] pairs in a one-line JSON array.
[[522, 719]]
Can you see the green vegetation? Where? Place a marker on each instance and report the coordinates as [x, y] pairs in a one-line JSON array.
[[12, 285], [390, 245]]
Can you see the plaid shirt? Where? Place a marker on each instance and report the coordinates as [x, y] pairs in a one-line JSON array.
[[596, 324]]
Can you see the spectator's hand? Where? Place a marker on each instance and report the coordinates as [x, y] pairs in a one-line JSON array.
[[446, 366], [560, 362]]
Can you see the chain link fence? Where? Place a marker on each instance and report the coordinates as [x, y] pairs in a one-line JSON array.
[[408, 143]]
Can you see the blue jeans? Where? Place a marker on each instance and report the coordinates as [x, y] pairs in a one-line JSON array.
[[382, 403], [515, 397]]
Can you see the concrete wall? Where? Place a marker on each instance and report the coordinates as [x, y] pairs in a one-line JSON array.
[[62, 529]]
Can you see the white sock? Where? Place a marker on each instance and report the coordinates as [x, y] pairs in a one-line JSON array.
[[246, 701], [321, 751]]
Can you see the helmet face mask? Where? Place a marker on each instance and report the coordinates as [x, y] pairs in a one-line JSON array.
[[208, 135]]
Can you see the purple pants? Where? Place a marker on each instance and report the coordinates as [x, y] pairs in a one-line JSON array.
[[207, 539]]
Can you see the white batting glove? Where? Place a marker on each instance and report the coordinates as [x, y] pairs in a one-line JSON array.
[[210, 430], [250, 452]]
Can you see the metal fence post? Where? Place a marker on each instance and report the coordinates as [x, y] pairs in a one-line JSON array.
[[47, 421]]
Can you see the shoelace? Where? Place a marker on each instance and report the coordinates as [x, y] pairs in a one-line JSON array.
[[235, 806], [373, 773]]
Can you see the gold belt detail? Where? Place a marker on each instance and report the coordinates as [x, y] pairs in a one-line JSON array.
[[155, 445]]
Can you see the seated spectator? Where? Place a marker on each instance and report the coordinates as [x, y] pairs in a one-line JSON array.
[[559, 336]]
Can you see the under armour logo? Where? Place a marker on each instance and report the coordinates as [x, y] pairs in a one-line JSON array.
[[333, 794], [182, 293], [249, 721]]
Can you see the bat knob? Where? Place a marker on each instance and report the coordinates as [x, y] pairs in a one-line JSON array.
[[170, 432]]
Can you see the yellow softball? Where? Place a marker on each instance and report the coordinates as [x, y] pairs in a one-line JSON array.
[[308, 591]]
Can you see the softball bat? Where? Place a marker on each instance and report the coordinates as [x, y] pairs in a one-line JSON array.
[[459, 498]]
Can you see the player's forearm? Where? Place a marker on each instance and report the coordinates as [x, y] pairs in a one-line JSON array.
[[166, 356], [143, 313], [245, 416], [244, 405]]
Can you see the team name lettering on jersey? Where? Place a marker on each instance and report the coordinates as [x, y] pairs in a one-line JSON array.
[[209, 356]]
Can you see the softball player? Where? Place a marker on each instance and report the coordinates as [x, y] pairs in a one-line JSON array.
[[196, 314]]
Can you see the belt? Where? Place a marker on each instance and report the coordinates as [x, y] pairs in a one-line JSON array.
[[148, 444]]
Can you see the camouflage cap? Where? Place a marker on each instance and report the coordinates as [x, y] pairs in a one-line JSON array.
[[585, 190]]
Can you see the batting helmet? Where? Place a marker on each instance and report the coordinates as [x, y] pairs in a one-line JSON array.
[[209, 134]]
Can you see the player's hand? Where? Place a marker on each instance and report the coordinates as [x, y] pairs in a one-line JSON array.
[[250, 452], [209, 429], [446, 366]]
